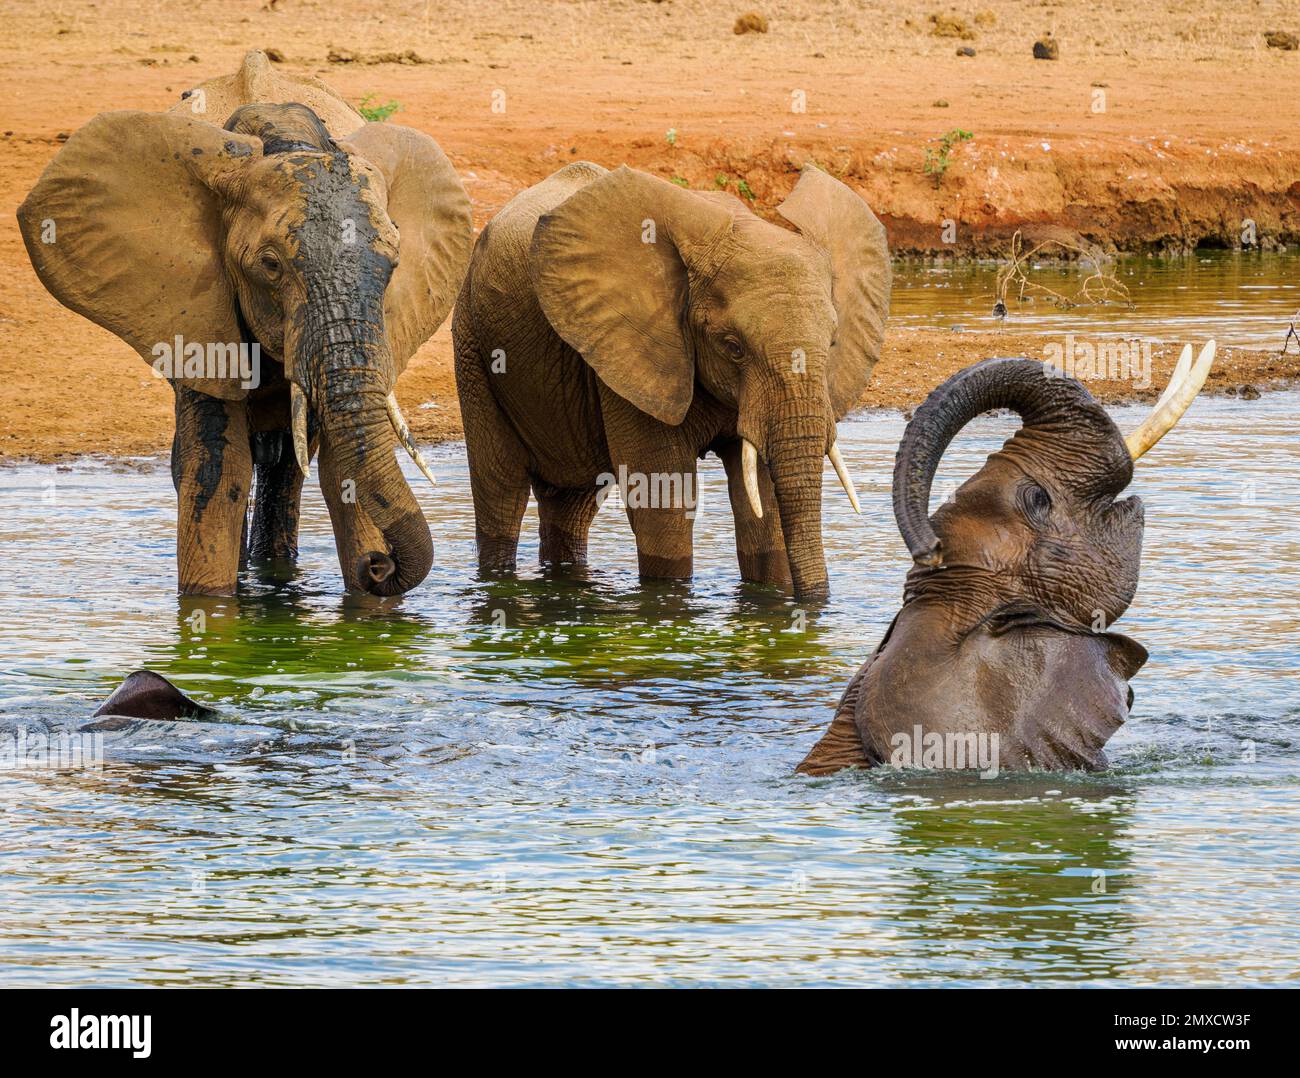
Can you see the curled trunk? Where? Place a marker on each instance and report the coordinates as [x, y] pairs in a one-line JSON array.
[[1050, 405]]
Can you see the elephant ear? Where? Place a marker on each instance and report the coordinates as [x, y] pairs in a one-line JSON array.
[[431, 210], [124, 227], [1124, 654], [840, 223], [257, 82], [610, 268]]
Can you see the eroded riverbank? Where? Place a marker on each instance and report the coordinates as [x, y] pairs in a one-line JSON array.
[[105, 401], [1142, 135]]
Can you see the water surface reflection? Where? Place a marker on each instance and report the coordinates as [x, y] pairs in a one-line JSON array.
[[579, 780]]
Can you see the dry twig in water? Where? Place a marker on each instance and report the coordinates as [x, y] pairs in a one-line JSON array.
[[1100, 286], [1292, 332]]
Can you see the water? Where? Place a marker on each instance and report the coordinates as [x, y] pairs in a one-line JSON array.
[[1242, 300], [537, 782]]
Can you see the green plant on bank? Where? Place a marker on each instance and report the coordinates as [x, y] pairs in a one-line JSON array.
[[722, 181], [937, 161], [671, 136], [377, 114], [681, 181]]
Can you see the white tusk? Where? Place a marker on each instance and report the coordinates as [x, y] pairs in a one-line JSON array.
[[1181, 368], [845, 481], [1175, 400], [298, 421], [749, 468], [404, 436]]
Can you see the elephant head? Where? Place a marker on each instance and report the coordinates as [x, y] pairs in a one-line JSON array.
[[667, 293], [1015, 579], [338, 258]]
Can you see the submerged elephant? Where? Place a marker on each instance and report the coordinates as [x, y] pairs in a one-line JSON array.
[[614, 327], [147, 695], [1002, 634], [280, 273]]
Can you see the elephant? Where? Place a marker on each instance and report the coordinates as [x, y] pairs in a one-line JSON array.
[[614, 327], [279, 272], [148, 695], [1001, 649]]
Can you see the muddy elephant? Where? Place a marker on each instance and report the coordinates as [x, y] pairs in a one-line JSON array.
[[614, 327], [280, 274], [1000, 657]]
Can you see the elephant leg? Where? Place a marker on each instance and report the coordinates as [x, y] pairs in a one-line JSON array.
[[566, 517], [500, 500], [760, 543], [355, 534], [212, 469], [659, 499], [498, 470], [664, 540], [657, 464], [277, 496]]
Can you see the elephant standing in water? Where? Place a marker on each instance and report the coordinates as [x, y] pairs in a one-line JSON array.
[[280, 271], [1016, 578], [614, 327]]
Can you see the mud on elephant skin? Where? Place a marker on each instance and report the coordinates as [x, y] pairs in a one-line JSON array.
[[1000, 656], [614, 327], [280, 270]]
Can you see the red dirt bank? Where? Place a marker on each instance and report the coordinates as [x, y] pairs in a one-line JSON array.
[[1201, 130]]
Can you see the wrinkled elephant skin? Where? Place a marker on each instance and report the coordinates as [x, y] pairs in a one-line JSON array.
[[1000, 658], [614, 328], [279, 273]]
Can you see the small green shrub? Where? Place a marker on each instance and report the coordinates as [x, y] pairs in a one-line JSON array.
[[722, 181], [937, 161], [377, 114]]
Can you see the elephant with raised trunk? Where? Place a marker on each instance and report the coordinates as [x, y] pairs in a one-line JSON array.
[[1003, 634], [279, 263], [614, 327]]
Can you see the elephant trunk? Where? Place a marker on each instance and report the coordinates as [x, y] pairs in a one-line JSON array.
[[1055, 408], [350, 390], [796, 447]]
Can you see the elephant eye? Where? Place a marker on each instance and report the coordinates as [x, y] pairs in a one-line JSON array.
[[271, 263], [733, 347], [1036, 501]]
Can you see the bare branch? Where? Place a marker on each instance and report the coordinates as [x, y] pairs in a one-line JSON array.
[[1100, 286]]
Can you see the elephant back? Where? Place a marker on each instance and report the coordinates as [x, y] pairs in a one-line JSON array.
[[258, 82], [499, 265]]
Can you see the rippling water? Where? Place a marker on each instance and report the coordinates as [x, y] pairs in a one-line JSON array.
[[554, 781], [1243, 300]]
